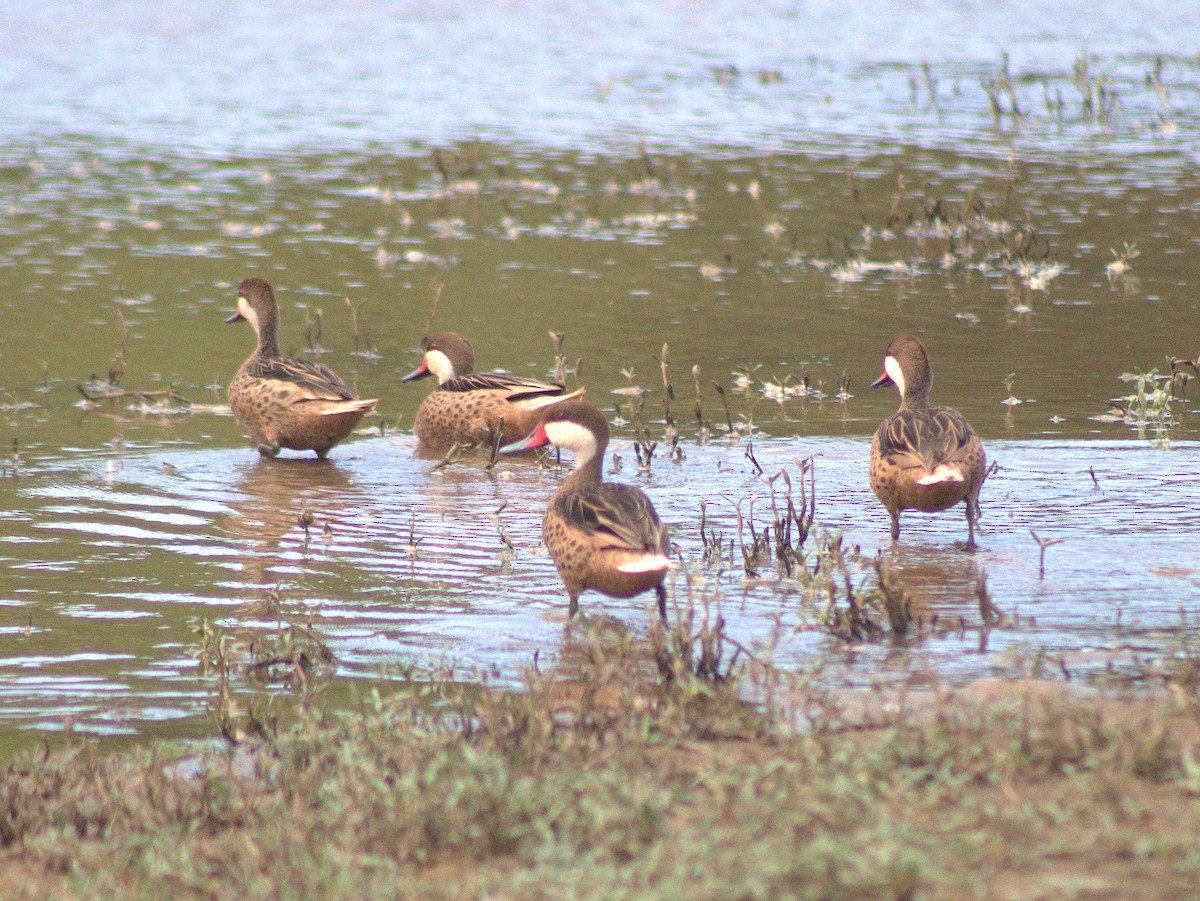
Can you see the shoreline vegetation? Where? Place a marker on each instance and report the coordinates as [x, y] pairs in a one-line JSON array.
[[635, 768]]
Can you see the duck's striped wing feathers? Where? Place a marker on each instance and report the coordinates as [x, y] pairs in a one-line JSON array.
[[621, 514], [316, 380], [515, 387], [930, 437]]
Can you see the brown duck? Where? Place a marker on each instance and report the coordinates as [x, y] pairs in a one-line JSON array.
[[601, 536], [923, 457], [467, 407], [285, 402]]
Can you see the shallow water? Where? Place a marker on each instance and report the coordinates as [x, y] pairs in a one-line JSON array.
[[790, 211]]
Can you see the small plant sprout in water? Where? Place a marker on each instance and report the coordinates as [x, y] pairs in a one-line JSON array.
[[758, 470], [630, 390], [1150, 404], [1121, 264], [791, 386], [17, 464], [454, 453], [643, 447], [354, 317], [305, 521], [758, 552], [720, 389], [702, 429], [713, 541], [670, 434], [413, 540], [312, 329], [844, 387], [560, 361], [1042, 544], [505, 541], [497, 443], [1012, 400], [743, 377]]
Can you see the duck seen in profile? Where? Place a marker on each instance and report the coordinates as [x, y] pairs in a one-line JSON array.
[[601, 536], [923, 457], [471, 408], [284, 402]]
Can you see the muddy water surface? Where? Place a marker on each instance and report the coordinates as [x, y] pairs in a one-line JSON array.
[[787, 212]]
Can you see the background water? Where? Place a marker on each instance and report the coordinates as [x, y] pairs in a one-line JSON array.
[[774, 192]]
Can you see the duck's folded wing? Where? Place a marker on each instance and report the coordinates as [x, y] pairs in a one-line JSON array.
[[515, 387], [621, 516], [314, 381], [930, 437]]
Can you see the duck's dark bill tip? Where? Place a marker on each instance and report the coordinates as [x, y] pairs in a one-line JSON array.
[[419, 373], [883, 381], [236, 317]]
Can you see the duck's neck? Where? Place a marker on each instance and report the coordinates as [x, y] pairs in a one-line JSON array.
[[268, 347], [588, 471], [268, 339], [916, 398]]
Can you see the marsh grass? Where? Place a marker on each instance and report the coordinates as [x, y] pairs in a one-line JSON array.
[[1148, 409], [599, 779], [287, 655]]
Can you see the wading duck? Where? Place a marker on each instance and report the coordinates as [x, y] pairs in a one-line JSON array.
[[467, 407], [923, 457], [285, 402], [601, 536]]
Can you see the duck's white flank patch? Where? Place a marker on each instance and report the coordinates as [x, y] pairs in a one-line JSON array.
[[573, 437], [647, 564], [892, 367], [439, 364], [338, 407], [549, 400], [943, 472]]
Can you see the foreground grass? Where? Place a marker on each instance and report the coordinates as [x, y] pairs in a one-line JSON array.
[[608, 785]]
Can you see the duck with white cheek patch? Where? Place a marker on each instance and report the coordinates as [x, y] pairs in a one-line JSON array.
[[285, 402], [601, 536], [476, 408], [923, 457]]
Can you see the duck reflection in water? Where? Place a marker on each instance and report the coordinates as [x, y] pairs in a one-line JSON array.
[[286, 509]]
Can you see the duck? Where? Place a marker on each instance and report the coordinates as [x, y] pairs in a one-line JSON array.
[[284, 402], [601, 536], [923, 457], [473, 409]]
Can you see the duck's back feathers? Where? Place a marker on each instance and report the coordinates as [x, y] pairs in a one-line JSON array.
[[928, 437], [515, 387], [314, 379], [620, 516]]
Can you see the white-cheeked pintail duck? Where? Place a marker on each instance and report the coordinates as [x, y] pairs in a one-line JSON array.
[[923, 457], [285, 402], [600, 535], [474, 408]]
